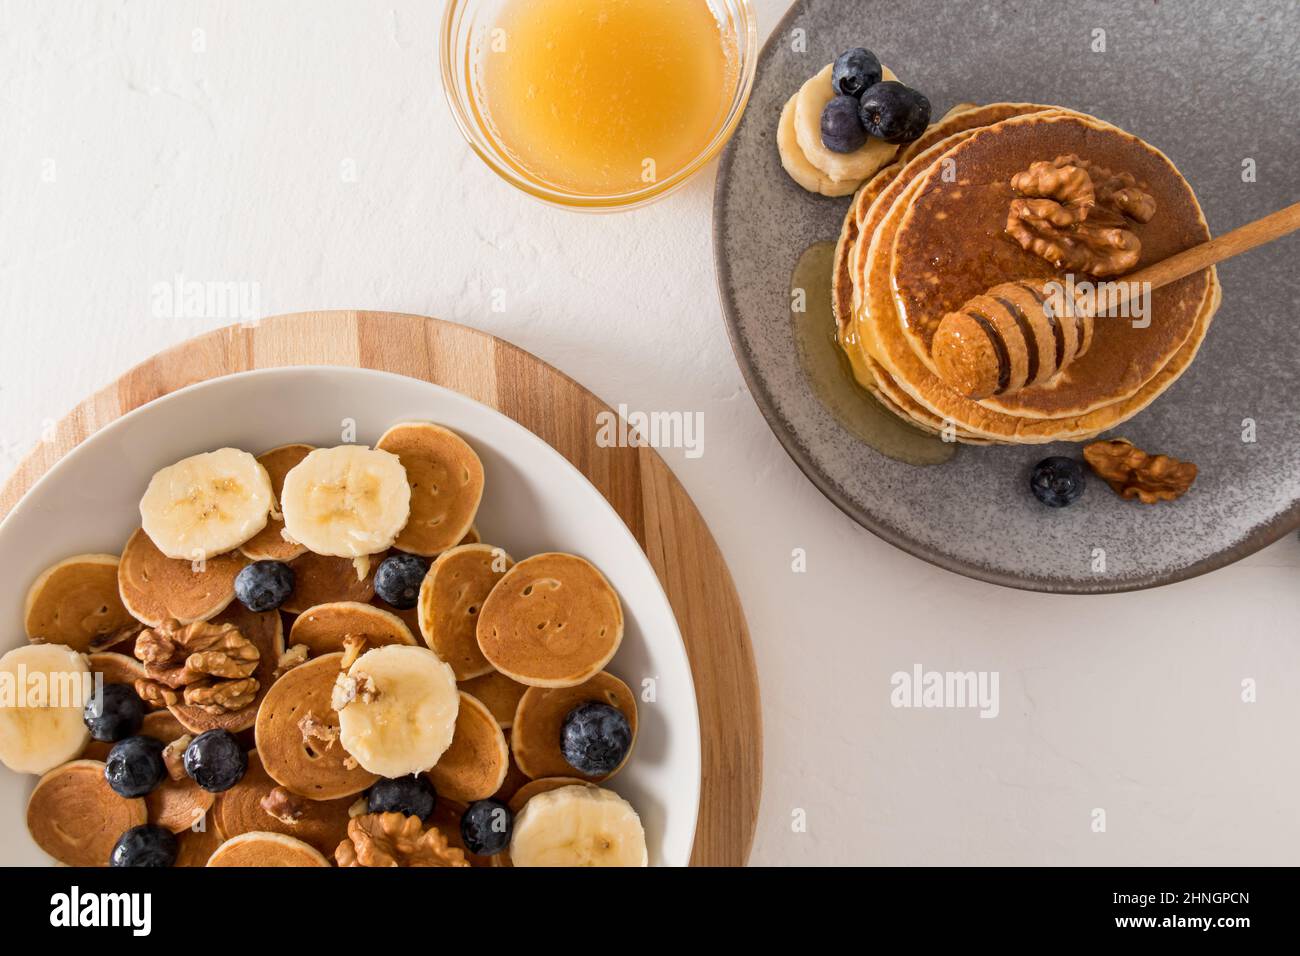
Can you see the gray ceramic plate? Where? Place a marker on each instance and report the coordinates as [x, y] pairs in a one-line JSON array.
[[1214, 85]]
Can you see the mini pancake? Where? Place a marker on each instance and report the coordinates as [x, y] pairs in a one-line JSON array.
[[178, 804], [116, 668], [75, 817], [475, 765], [155, 587], [319, 579], [552, 621], [269, 544], [322, 628], [266, 849], [515, 778], [308, 766], [76, 602], [543, 785], [451, 598], [266, 632], [160, 725], [163, 725], [535, 737], [323, 825], [498, 693], [195, 847], [410, 617], [446, 480]]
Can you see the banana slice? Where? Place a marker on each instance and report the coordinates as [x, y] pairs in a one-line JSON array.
[[346, 502], [43, 690], [397, 709], [857, 166], [796, 163], [207, 504], [578, 826]]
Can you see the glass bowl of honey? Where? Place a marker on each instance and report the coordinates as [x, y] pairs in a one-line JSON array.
[[598, 104]]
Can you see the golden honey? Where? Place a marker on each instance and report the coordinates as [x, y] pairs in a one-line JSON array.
[[606, 97]]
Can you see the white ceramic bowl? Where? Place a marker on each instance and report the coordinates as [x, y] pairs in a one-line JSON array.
[[534, 501]]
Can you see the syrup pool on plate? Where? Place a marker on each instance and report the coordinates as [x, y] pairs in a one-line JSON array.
[[606, 97]]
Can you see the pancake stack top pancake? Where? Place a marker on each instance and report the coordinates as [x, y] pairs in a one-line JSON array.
[[310, 658], [987, 200]]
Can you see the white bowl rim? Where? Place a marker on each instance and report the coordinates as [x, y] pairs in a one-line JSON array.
[[106, 433]]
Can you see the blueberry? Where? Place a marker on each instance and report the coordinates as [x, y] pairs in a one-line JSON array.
[[485, 827], [842, 130], [413, 796], [215, 760], [398, 579], [1057, 481], [264, 585], [894, 112], [595, 738], [135, 766], [855, 72], [118, 713], [146, 845]]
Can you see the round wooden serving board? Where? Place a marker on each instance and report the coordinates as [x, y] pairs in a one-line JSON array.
[[635, 481]]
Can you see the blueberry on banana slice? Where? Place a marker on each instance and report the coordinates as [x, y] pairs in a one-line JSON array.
[[894, 112], [855, 72], [842, 130]]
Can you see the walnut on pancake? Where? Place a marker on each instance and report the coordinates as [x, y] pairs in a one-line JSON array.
[[394, 839], [284, 806], [1076, 215], [209, 666]]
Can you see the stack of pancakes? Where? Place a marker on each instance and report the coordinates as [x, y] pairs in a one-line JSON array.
[[927, 233]]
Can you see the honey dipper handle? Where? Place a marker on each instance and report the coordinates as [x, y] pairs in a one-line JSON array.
[[1257, 233]]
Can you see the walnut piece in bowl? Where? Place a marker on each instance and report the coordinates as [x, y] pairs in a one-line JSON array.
[[394, 839]]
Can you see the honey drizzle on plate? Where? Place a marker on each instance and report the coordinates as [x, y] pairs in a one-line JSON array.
[[832, 381]]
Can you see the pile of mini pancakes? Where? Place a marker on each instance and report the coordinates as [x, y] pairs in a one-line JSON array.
[[926, 234], [521, 645]]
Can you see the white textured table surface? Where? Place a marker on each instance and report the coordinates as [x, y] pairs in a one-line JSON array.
[[305, 148]]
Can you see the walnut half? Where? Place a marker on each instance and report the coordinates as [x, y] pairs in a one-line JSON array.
[[394, 839], [1133, 473], [1076, 215], [209, 666]]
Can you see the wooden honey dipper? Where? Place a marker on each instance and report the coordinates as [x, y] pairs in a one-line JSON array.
[[1009, 338]]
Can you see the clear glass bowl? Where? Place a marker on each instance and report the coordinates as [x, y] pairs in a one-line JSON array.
[[466, 26]]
